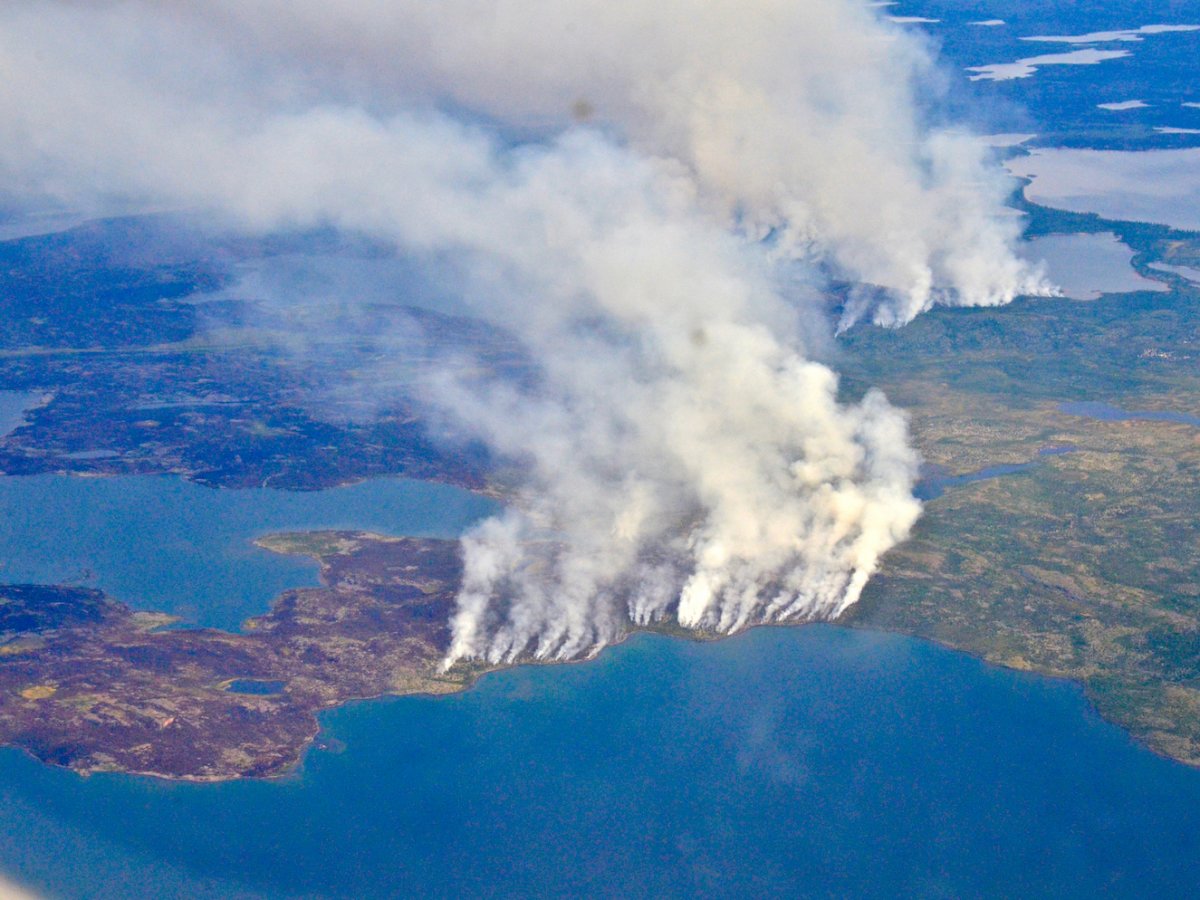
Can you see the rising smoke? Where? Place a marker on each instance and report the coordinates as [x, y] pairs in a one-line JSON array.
[[625, 187]]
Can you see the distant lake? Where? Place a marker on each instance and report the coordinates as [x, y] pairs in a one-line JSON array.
[[1085, 266], [1188, 273], [1104, 411], [1157, 186], [791, 762], [162, 543], [13, 405], [934, 483], [1028, 66]]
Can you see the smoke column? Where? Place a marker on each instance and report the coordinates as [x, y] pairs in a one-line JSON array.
[[628, 189]]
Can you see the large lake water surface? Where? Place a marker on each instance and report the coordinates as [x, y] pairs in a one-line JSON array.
[[784, 762]]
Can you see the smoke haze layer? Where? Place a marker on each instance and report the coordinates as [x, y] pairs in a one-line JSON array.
[[625, 188]]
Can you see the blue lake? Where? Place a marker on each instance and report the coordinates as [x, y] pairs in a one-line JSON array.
[[934, 484], [789, 762], [934, 479], [1094, 410], [165, 544]]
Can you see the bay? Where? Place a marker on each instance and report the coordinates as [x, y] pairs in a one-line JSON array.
[[161, 543]]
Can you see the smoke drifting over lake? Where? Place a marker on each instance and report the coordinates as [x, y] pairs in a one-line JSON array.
[[648, 197]]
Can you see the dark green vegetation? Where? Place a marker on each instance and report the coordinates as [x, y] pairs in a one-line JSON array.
[[88, 684], [1086, 564]]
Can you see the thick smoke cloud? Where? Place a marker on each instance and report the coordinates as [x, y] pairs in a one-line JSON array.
[[623, 187], [798, 120]]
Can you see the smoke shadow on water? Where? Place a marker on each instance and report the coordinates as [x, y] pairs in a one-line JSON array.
[[785, 761]]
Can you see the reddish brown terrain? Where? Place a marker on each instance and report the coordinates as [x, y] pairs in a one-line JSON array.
[[89, 684]]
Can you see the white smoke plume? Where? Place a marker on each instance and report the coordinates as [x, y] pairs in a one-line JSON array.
[[686, 458], [796, 119]]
